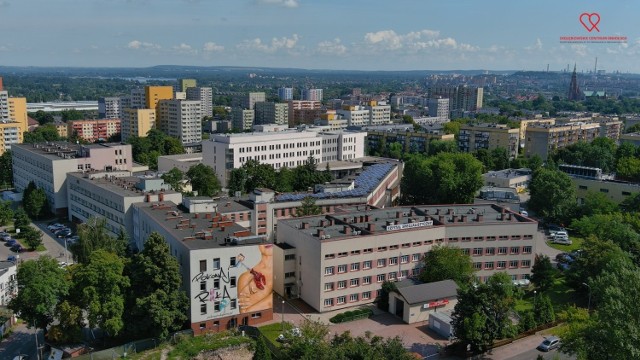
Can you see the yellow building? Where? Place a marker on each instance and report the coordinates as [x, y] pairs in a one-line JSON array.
[[18, 111], [187, 83], [528, 122], [13, 128], [153, 94], [137, 122], [474, 137]]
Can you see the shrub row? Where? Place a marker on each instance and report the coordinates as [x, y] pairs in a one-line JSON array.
[[351, 315]]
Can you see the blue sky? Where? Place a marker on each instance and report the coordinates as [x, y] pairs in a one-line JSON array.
[[318, 34]]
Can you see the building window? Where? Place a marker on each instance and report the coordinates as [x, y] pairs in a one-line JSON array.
[[465, 251], [326, 257], [477, 251], [382, 248], [477, 265], [525, 263], [293, 257], [367, 251], [513, 264], [342, 268], [393, 261], [256, 315], [366, 295], [380, 277], [415, 257], [216, 284], [328, 286], [291, 274], [404, 259], [216, 306], [526, 249], [354, 282], [203, 309], [488, 265], [328, 270], [366, 264], [515, 250], [203, 265], [341, 300], [382, 262], [490, 251], [203, 286], [232, 281], [417, 243], [604, 190], [341, 254], [234, 303], [392, 275], [342, 284], [501, 264], [203, 326], [353, 297], [502, 250], [355, 266], [366, 280], [216, 264]]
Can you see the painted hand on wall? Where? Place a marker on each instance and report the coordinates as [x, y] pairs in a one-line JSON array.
[[256, 284]]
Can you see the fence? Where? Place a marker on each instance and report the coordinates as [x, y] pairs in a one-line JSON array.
[[133, 347]]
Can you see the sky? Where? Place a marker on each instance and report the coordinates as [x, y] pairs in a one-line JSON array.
[[320, 34]]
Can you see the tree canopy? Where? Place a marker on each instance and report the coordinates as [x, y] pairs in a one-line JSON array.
[[447, 263], [93, 235], [34, 201], [146, 150], [204, 180], [6, 170], [553, 196]]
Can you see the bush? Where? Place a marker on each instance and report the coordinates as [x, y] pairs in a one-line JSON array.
[[351, 315]]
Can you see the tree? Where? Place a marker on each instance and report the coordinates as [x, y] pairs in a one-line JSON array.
[[70, 324], [308, 207], [203, 180], [499, 158], [6, 170], [41, 285], [42, 133], [527, 321], [395, 150], [553, 196], [387, 288], [447, 262], [6, 213], [447, 178], [542, 272], [442, 146], [311, 344], [543, 310], [174, 178], [482, 312], [21, 219], [93, 235], [237, 181], [596, 203], [452, 127], [262, 351], [32, 237], [35, 201], [99, 286], [157, 305], [628, 168], [594, 259]]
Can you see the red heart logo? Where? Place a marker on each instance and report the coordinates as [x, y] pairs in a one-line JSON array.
[[592, 19]]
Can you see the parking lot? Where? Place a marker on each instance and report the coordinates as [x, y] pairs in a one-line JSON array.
[[54, 247]]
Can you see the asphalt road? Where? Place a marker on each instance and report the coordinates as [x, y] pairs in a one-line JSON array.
[[533, 354], [55, 247], [21, 342]]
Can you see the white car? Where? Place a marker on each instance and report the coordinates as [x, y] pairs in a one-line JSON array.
[[561, 238]]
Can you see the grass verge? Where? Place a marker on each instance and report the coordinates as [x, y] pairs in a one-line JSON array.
[[576, 244], [189, 347], [272, 331]]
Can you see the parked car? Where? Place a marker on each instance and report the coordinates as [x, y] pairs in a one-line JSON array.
[[553, 229], [5, 237], [63, 233], [549, 343], [72, 239], [55, 226], [21, 357], [17, 248], [12, 258], [562, 239], [10, 243]]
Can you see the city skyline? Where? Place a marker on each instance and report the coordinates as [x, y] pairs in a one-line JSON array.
[[335, 35]]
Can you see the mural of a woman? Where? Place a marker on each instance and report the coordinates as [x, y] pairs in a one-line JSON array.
[[256, 284]]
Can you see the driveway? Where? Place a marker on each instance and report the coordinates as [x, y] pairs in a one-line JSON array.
[[21, 341]]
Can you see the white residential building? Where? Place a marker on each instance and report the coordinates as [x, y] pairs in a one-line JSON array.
[[285, 94], [181, 119], [205, 96], [355, 115], [271, 113], [312, 94], [288, 148], [242, 119], [8, 282], [109, 108], [379, 113], [439, 107]]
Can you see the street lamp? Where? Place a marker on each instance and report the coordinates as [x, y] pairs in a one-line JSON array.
[[283, 316], [534, 299], [589, 303]]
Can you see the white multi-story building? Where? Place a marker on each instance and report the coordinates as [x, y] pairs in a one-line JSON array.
[[110, 194], [109, 108], [285, 94], [439, 107], [341, 260], [287, 148], [355, 115], [8, 282], [205, 96], [181, 119], [248, 101], [379, 113], [312, 94], [182, 162], [47, 165], [221, 262]]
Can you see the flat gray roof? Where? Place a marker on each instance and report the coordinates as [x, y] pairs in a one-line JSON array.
[[405, 218], [123, 186], [420, 293], [508, 173], [197, 231]]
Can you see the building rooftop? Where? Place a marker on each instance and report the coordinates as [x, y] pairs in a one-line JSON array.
[[59, 150], [508, 173], [407, 218], [120, 183], [420, 293], [200, 230]]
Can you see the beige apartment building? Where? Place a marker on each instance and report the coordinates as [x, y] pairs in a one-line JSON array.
[[542, 140], [341, 260], [181, 119], [525, 123], [473, 137], [137, 122], [304, 112], [47, 165]]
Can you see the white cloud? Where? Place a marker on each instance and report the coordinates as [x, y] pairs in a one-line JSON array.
[[212, 47], [536, 46], [184, 49], [413, 41], [140, 45], [275, 45], [284, 3], [580, 50], [334, 47]]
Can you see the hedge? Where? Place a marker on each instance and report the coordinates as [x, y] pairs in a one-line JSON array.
[[351, 315]]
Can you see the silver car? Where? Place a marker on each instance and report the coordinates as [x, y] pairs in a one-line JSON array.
[[549, 343]]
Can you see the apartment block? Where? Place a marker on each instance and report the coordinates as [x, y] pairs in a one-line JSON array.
[[137, 122], [285, 94], [220, 261], [184, 84], [248, 101], [411, 140], [272, 113], [242, 119], [47, 165], [287, 148], [181, 119], [473, 137], [153, 94], [355, 115], [379, 113], [462, 98], [304, 112], [542, 140], [109, 108], [311, 94], [438, 107], [94, 130], [205, 96], [341, 260], [8, 275], [111, 194], [525, 123], [13, 120]]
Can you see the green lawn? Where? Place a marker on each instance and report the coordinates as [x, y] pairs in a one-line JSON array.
[[576, 244], [560, 293], [272, 331], [189, 347]]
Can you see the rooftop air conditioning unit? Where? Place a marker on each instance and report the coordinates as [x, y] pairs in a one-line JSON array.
[[327, 236], [322, 237]]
